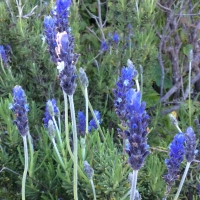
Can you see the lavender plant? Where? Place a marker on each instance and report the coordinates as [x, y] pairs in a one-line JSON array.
[[20, 108], [176, 156], [132, 112]]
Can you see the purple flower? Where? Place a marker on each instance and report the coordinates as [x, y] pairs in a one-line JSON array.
[[104, 46], [20, 108], [115, 38], [92, 123], [137, 122], [81, 123], [50, 36], [190, 145], [56, 24], [4, 51], [65, 52], [176, 156], [50, 111], [124, 83], [61, 15]]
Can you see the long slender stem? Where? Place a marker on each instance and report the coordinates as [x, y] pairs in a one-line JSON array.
[[58, 154], [93, 189], [25, 167], [86, 111], [75, 142], [182, 180], [67, 136], [189, 88], [133, 185], [30, 142], [57, 130], [60, 140]]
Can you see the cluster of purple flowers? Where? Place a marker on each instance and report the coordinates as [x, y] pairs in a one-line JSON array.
[[131, 112], [20, 108], [92, 123], [123, 85], [61, 44], [176, 156], [4, 53], [177, 153], [112, 41]]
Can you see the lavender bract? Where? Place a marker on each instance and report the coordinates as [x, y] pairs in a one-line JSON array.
[[20, 108], [190, 145], [176, 156], [137, 122]]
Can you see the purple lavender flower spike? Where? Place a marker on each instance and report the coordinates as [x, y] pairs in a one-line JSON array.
[[4, 51], [137, 122], [124, 83], [176, 156], [190, 145], [20, 108], [50, 111], [104, 46], [50, 36], [65, 52], [81, 123], [61, 15], [92, 123], [116, 38]]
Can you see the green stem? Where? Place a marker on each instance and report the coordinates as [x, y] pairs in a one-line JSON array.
[[75, 140], [189, 87], [93, 189], [133, 185], [58, 154], [182, 180], [67, 136], [60, 140], [25, 167], [92, 111], [57, 130], [30, 142], [86, 111]]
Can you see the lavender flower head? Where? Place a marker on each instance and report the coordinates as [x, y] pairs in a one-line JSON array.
[[50, 36], [4, 53], [83, 78], [50, 111], [20, 108], [104, 46], [61, 14], [115, 38], [176, 156], [190, 145], [81, 123], [56, 23], [92, 123], [65, 52], [137, 122], [124, 83]]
